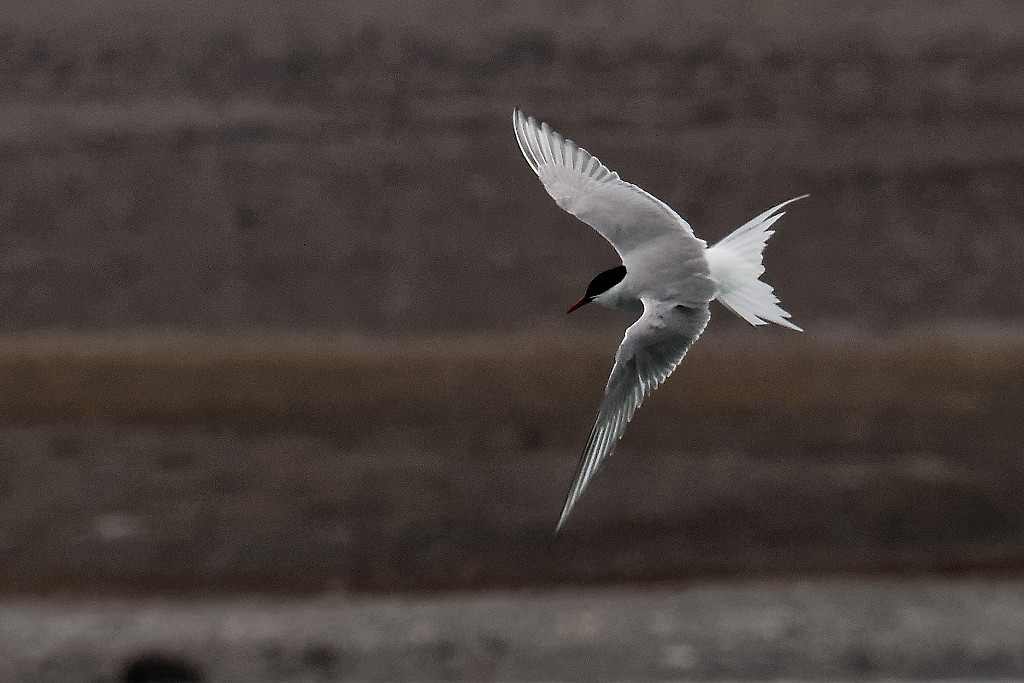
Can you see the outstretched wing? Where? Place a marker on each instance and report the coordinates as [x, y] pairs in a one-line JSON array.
[[623, 213], [652, 348]]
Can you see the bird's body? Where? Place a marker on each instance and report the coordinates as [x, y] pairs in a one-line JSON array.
[[668, 276]]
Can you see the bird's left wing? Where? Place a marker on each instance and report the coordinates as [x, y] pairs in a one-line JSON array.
[[626, 215], [652, 348]]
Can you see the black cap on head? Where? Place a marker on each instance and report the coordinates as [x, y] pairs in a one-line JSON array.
[[599, 285], [605, 281]]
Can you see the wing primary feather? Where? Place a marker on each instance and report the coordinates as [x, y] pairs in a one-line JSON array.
[[551, 140], [622, 213], [545, 146], [533, 134], [539, 144], [651, 350], [544, 138], [522, 137]]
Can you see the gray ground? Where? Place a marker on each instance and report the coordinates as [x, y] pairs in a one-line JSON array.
[[924, 629]]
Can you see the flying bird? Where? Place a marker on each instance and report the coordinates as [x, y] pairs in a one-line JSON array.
[[668, 275]]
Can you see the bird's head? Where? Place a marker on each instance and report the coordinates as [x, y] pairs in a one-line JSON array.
[[599, 285]]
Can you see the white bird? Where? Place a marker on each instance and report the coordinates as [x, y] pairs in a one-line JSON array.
[[668, 275]]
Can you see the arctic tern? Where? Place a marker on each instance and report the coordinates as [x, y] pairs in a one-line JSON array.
[[668, 275]]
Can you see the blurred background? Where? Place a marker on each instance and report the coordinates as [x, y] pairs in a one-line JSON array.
[[287, 391]]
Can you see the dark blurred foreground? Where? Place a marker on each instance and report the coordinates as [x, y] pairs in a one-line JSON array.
[[141, 466], [840, 629]]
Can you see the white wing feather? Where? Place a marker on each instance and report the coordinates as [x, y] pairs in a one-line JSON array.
[[626, 215], [654, 345]]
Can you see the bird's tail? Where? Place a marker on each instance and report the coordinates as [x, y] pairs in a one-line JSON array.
[[735, 264]]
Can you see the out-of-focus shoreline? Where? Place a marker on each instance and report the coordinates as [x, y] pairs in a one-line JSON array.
[[195, 464], [182, 377], [834, 629]]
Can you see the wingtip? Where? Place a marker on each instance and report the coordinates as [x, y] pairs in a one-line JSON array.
[[518, 115], [561, 522], [570, 503]]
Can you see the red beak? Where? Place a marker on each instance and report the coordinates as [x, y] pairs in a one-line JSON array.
[[582, 302]]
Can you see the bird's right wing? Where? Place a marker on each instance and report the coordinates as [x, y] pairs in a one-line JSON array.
[[623, 213], [654, 345]]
